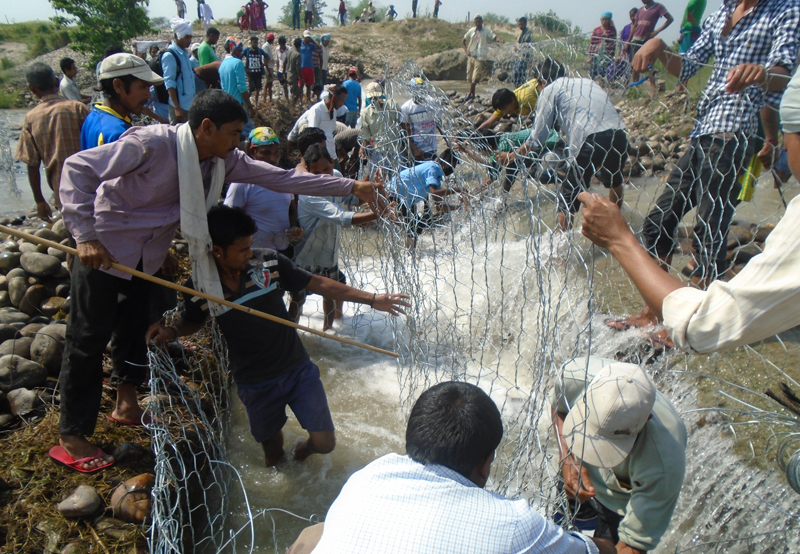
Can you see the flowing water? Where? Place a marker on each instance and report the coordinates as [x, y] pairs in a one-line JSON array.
[[724, 499]]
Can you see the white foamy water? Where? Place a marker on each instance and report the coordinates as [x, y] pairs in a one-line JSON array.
[[479, 281]]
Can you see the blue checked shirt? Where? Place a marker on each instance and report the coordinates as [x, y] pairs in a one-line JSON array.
[[398, 506], [769, 35]]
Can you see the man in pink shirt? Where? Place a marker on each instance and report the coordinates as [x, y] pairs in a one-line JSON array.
[[121, 202]]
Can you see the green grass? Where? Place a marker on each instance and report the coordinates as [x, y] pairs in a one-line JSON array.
[[5, 63], [11, 100], [40, 36], [354, 50]]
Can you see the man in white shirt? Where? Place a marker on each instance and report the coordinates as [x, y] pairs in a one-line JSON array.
[[419, 124], [206, 15], [432, 500], [67, 87], [322, 115], [760, 301], [476, 47]]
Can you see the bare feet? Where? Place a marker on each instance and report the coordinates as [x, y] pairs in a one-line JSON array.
[[78, 447], [303, 449], [642, 319], [661, 339], [127, 407], [273, 450]]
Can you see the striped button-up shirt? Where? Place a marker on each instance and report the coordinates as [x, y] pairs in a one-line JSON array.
[[768, 35], [396, 505]]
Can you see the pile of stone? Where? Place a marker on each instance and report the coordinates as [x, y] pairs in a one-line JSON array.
[[745, 241], [34, 299]]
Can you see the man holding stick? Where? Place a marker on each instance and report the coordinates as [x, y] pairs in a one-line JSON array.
[[123, 202], [269, 364]]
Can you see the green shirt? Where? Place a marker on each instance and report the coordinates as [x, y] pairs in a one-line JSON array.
[[644, 488], [206, 54], [696, 8]]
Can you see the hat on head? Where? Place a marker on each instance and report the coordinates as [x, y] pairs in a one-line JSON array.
[[194, 46], [270, 36], [306, 34], [231, 45], [180, 27], [373, 90], [607, 14], [477, 16], [119, 65], [326, 37], [263, 136], [352, 71], [602, 426]]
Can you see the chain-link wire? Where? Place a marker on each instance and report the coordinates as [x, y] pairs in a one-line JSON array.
[[504, 292]]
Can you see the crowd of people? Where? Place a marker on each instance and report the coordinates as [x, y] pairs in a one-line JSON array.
[[123, 190]]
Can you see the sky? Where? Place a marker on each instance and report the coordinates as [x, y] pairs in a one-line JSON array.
[[583, 13]]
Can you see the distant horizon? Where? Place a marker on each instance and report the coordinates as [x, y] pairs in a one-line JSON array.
[[582, 13]]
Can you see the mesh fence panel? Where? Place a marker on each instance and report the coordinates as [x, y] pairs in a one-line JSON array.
[[502, 298]]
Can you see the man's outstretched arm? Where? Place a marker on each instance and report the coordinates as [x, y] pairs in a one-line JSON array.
[[605, 226]]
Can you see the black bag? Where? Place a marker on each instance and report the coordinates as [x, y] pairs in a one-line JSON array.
[[156, 67]]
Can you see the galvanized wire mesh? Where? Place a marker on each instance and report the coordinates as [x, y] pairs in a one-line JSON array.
[[502, 298]]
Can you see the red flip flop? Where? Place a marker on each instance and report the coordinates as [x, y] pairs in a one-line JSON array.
[[125, 422], [61, 457]]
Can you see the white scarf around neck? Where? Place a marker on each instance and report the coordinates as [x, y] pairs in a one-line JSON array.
[[194, 215]]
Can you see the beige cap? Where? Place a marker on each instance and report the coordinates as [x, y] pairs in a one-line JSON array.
[[601, 427], [119, 65], [373, 90], [306, 33]]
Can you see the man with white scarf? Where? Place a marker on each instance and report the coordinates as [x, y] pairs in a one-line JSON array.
[[122, 202], [178, 70]]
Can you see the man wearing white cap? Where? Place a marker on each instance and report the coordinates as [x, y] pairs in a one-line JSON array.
[[622, 447], [380, 128], [178, 71], [125, 80]]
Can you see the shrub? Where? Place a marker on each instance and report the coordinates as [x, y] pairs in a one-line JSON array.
[[102, 23]]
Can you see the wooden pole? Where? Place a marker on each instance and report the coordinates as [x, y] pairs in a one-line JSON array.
[[187, 290]]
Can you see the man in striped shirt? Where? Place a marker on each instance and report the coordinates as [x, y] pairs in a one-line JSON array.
[[754, 44], [760, 301]]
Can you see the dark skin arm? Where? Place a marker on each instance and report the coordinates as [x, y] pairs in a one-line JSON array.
[[771, 125], [605, 226], [328, 288], [160, 334], [577, 483], [42, 207]]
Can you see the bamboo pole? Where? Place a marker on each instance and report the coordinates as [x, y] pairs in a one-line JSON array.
[[187, 290]]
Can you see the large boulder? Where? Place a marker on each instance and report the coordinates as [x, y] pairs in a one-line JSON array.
[[17, 372], [40, 265], [84, 501], [48, 346], [17, 287], [32, 298], [60, 229], [9, 316], [9, 260], [51, 306], [19, 347], [23, 401], [30, 330], [131, 500], [445, 66]]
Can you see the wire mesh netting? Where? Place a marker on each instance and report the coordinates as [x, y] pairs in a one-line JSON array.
[[504, 291]]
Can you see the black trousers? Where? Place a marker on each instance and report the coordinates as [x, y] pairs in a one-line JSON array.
[[102, 306], [602, 154], [706, 177]]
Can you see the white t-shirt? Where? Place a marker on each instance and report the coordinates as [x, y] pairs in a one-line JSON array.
[[423, 126], [280, 58], [309, 5], [319, 116], [69, 89], [208, 15], [478, 42]]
